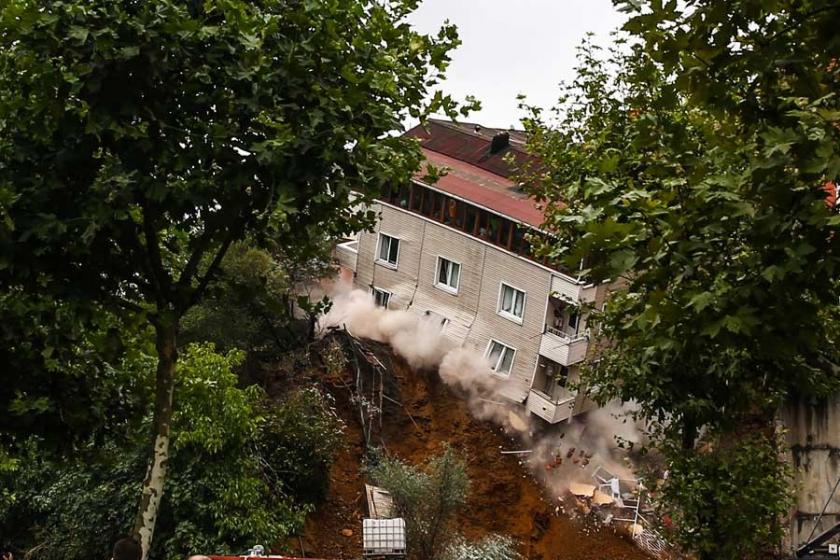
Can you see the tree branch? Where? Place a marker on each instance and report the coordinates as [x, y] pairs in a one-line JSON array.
[[127, 305], [194, 261], [159, 273], [211, 271]]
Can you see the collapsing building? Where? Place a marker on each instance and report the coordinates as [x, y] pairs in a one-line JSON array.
[[458, 250]]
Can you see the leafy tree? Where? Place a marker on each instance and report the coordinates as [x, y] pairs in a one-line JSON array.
[[692, 164], [230, 483], [427, 499], [259, 302], [139, 140], [723, 488], [222, 494], [62, 387]]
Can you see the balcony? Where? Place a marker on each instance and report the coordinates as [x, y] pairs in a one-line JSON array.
[[568, 289], [549, 409], [347, 254], [563, 348]]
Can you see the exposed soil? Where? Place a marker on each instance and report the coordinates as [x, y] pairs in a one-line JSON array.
[[504, 497]]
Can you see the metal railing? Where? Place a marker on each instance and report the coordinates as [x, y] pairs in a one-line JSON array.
[[566, 336], [560, 400]]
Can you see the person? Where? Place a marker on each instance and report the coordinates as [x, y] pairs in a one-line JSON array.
[[198, 557], [8, 556], [127, 548]]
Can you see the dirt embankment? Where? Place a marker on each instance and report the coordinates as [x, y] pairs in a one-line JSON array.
[[504, 497]]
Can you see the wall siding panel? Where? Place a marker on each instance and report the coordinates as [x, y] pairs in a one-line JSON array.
[[473, 311]]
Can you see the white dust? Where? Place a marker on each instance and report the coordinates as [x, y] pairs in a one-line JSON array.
[[560, 454]]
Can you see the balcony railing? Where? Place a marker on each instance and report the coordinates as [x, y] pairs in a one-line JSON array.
[[549, 409], [563, 348], [560, 333], [347, 254], [568, 289]]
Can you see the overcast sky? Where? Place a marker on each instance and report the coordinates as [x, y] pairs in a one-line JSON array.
[[514, 46]]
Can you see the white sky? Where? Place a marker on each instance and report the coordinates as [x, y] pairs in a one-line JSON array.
[[514, 46]]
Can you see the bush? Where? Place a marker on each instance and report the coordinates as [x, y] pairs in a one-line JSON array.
[[225, 491], [427, 499], [70, 510], [491, 547], [299, 440]]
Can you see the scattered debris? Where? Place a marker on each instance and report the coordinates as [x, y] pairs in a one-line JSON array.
[[419, 415], [516, 422], [379, 501], [601, 499], [582, 490]]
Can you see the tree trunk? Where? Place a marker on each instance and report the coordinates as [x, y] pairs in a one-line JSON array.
[[150, 498]]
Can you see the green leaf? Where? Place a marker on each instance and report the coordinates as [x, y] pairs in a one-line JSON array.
[[80, 34], [701, 301]]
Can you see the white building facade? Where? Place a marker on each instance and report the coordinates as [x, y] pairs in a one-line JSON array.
[[458, 250]]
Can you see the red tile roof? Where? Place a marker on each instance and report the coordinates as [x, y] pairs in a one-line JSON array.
[[475, 173], [484, 188], [463, 142]]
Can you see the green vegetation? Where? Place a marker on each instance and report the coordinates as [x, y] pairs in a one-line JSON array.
[[257, 302], [139, 143], [492, 547], [693, 161], [428, 499], [243, 470]]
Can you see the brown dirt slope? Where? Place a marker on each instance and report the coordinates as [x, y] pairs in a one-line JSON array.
[[504, 498]]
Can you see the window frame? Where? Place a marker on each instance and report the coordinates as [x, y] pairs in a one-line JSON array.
[[390, 294], [446, 287], [388, 264], [507, 315], [492, 341]]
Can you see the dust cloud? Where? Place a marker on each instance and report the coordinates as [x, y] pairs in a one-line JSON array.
[[602, 440], [559, 455]]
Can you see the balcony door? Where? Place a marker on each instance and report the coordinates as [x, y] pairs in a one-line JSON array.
[[556, 378]]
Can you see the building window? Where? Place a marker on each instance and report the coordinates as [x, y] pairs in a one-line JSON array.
[[438, 206], [512, 303], [381, 297], [454, 213], [448, 275], [399, 196], [426, 203], [505, 235], [471, 225], [389, 249], [416, 197], [518, 245], [500, 357], [483, 225], [495, 229]]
